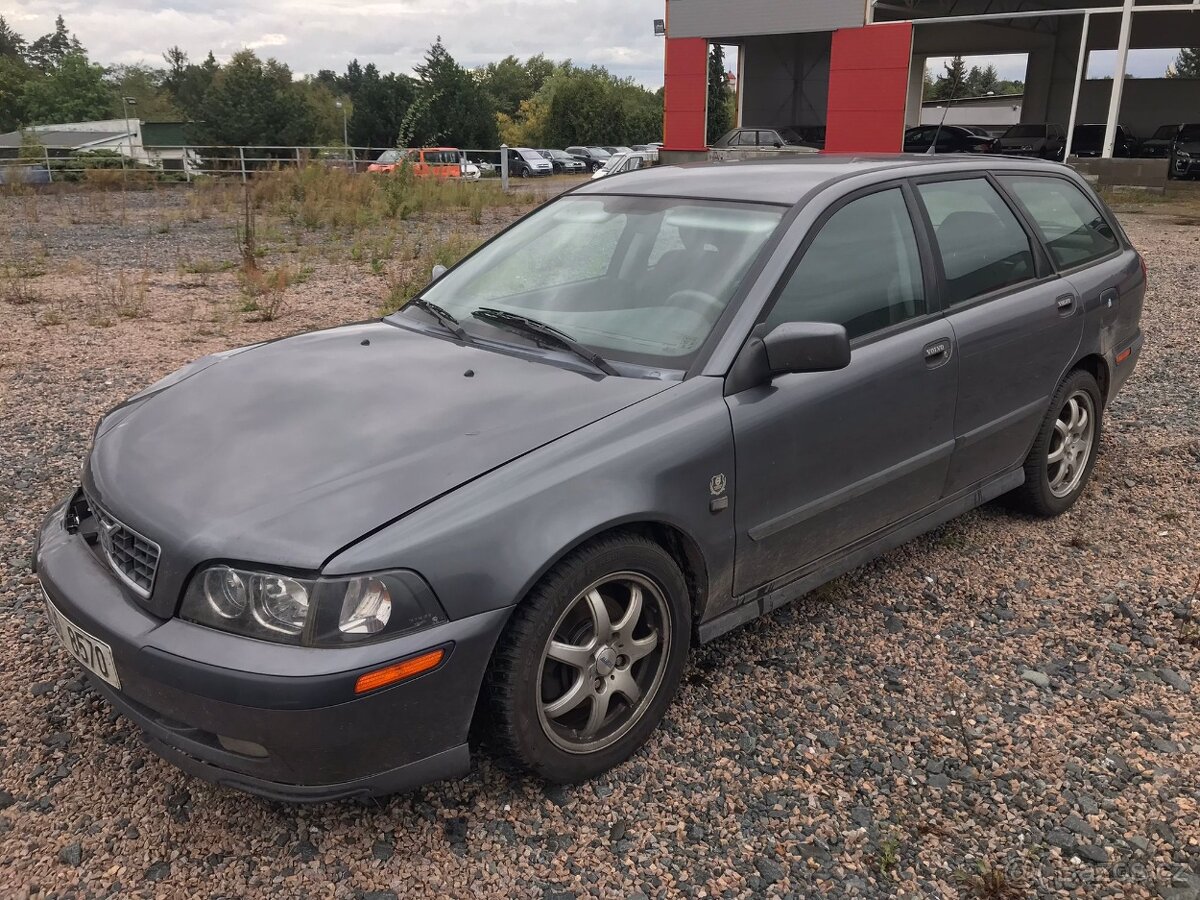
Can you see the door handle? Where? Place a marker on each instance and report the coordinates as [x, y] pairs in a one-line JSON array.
[[1065, 304], [937, 352]]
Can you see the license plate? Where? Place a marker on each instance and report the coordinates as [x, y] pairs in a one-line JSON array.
[[92, 653]]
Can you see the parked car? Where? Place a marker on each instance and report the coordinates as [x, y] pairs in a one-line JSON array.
[[629, 161], [564, 163], [615, 150], [426, 162], [1161, 144], [1185, 162], [651, 150], [762, 139], [640, 417], [592, 157], [1088, 140], [524, 162], [1045, 140], [950, 139]]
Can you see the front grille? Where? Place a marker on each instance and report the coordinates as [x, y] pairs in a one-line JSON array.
[[133, 558]]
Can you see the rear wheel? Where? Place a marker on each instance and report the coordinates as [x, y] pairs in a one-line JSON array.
[[1060, 464], [590, 660]]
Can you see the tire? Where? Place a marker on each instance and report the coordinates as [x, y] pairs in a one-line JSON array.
[[570, 721], [1053, 485], [525, 172]]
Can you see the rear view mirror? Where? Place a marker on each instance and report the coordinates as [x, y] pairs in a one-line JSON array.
[[438, 272], [807, 347]]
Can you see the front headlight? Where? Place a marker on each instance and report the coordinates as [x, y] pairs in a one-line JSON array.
[[314, 612]]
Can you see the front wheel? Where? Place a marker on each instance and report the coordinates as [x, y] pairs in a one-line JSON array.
[[1060, 463], [590, 660]]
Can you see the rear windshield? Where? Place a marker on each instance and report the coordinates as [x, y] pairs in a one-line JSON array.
[[1026, 131]]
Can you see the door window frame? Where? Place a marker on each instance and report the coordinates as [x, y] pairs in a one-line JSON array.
[[929, 285], [1043, 269], [1063, 270]]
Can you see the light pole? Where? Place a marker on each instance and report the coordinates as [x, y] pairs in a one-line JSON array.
[[345, 127], [127, 102]]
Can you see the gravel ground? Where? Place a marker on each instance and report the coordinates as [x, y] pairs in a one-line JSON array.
[[1004, 707]]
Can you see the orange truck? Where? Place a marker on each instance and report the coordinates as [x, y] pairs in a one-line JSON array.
[[426, 162]]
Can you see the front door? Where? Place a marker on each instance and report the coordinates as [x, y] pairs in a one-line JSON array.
[[1016, 325], [826, 458]]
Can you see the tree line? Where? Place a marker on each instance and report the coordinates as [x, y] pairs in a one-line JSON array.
[[254, 102]]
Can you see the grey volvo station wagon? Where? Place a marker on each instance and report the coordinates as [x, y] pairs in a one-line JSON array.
[[651, 410]]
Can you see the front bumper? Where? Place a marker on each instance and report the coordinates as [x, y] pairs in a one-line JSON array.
[[1186, 166], [187, 686]]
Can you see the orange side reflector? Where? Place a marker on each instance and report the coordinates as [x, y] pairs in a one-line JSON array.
[[407, 669], [1124, 355]]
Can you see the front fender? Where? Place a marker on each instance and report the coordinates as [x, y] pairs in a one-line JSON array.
[[483, 546]]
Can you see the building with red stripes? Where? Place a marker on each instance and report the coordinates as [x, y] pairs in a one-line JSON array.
[[856, 67]]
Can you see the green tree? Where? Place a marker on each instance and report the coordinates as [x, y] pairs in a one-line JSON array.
[[187, 83], [719, 120], [252, 103], [14, 75], [73, 92], [1186, 65], [50, 50], [12, 45], [152, 100], [453, 110], [380, 103]]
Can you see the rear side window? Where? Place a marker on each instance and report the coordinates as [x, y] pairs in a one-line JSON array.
[[982, 245], [862, 270], [1073, 229]]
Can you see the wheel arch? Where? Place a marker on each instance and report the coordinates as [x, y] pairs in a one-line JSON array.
[[1096, 366]]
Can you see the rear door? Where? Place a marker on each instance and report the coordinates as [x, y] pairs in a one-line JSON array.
[[827, 458], [1017, 325]]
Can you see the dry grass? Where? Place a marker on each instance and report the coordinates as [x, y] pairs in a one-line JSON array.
[[415, 273]]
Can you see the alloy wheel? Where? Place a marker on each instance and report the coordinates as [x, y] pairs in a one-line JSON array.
[[1071, 444], [603, 662]]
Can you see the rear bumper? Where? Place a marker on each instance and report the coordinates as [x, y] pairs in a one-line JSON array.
[[194, 692]]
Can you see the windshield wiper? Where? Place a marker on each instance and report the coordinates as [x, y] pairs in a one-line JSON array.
[[445, 319], [536, 329]]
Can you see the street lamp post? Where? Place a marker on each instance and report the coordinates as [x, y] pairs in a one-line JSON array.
[[127, 102], [345, 125]]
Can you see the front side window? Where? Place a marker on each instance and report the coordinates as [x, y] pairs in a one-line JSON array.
[[388, 157], [862, 270], [982, 245], [1073, 229], [638, 279]]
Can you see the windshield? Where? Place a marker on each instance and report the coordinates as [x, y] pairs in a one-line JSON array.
[[1189, 133], [1026, 131], [600, 152], [1164, 133], [637, 279], [389, 156]]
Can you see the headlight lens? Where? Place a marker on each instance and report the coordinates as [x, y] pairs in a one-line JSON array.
[[316, 612]]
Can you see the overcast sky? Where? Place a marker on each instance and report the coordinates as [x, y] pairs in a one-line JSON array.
[[1142, 63], [326, 34]]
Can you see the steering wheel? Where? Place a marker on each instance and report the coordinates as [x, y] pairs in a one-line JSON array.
[[699, 302]]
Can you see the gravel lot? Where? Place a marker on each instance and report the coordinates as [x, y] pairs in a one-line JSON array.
[[1004, 707]]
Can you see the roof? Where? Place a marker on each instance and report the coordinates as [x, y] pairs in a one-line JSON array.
[[781, 180], [63, 140]]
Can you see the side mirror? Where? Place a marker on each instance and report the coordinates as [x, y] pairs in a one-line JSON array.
[[438, 271], [807, 347], [778, 145]]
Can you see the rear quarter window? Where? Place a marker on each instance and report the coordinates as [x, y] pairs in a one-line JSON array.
[[1071, 226]]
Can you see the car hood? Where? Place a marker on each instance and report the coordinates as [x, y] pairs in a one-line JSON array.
[[1188, 146], [287, 452]]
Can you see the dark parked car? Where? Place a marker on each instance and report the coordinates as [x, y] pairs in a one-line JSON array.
[[643, 415], [1040, 139], [592, 157], [1088, 140], [564, 163], [524, 162], [1161, 144], [1185, 156], [763, 139], [950, 139]]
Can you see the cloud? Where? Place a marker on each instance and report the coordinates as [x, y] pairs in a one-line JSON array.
[[394, 34]]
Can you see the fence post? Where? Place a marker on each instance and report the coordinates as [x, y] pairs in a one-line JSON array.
[[297, 159], [49, 171], [504, 167], [187, 170], [242, 159]]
